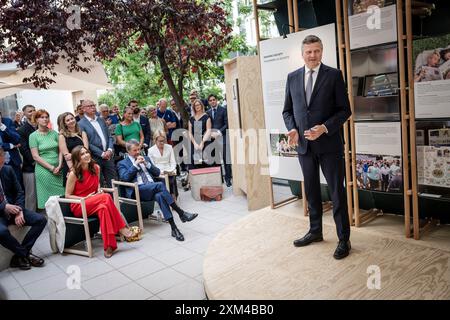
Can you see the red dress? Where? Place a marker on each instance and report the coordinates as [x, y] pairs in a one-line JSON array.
[[101, 204]]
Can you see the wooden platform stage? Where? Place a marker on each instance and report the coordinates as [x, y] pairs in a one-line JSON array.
[[254, 259]]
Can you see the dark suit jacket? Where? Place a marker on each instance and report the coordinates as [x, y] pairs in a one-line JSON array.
[[95, 142], [10, 136], [12, 189], [128, 172], [220, 121], [28, 162], [145, 125], [329, 105]]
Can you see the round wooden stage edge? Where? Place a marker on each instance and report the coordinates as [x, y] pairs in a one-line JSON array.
[[254, 258]]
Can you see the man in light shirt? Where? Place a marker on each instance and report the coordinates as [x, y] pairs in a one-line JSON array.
[[101, 143], [140, 169]]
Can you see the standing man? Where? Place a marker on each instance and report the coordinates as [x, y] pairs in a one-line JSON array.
[[101, 143], [143, 121], [10, 142], [169, 117], [29, 180], [315, 108], [219, 117]]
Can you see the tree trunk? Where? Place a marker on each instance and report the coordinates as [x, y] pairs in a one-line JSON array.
[[177, 96]]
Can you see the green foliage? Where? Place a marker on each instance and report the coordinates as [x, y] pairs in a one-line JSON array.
[[430, 44]]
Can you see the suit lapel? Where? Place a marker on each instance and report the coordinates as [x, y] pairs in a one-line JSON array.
[[301, 81], [319, 81]]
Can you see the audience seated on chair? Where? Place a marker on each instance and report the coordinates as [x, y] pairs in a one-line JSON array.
[[140, 169], [162, 155], [13, 211], [84, 182]]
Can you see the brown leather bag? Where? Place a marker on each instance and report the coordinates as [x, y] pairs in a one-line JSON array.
[[209, 193]]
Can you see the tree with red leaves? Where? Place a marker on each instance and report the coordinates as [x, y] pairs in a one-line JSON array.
[[177, 34]]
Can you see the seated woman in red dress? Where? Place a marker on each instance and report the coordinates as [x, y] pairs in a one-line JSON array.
[[83, 182]]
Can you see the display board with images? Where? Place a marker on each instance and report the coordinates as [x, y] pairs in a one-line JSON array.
[[372, 22], [375, 83], [280, 56], [432, 77], [433, 158], [378, 156]]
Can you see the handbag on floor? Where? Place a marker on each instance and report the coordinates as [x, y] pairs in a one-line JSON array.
[[210, 193]]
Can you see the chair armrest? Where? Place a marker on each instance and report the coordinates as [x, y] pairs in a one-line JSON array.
[[110, 190], [125, 184], [65, 200]]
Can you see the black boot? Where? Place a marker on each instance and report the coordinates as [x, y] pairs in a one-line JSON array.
[[177, 234], [20, 262]]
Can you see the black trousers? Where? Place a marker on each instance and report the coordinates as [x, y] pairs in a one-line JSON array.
[[333, 168], [35, 220], [107, 171]]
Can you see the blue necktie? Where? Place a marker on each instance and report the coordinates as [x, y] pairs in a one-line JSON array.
[[309, 87], [213, 113]]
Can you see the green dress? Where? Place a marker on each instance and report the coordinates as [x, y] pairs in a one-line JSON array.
[[47, 184], [129, 132]]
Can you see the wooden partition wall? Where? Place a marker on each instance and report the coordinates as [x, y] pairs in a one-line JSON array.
[[407, 115]]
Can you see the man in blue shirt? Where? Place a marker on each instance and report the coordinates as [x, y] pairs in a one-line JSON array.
[[168, 116]]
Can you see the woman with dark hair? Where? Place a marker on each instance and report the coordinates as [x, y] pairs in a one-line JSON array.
[[84, 182], [70, 136], [45, 151], [129, 129]]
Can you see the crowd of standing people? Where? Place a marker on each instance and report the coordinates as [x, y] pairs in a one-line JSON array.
[[90, 149]]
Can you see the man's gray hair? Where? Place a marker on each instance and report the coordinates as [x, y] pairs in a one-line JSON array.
[[311, 39], [130, 143]]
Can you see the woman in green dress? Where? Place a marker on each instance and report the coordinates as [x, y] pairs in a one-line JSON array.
[[44, 148], [129, 129]]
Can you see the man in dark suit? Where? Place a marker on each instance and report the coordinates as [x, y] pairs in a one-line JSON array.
[[13, 211], [10, 142], [140, 169], [219, 118], [315, 108], [143, 121], [101, 143], [29, 181]]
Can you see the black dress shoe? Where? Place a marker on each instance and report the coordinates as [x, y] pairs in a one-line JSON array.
[[308, 239], [342, 250], [228, 183], [177, 234], [187, 216], [20, 262], [35, 261]]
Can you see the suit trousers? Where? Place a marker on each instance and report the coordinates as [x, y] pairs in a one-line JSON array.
[[333, 168], [157, 191], [107, 171], [29, 182], [35, 220]]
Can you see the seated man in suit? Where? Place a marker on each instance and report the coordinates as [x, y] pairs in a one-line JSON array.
[[12, 211], [140, 169]]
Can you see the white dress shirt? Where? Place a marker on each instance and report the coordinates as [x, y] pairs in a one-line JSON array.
[[99, 130], [142, 167], [164, 162]]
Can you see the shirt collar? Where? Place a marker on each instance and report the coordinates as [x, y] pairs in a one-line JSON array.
[[91, 119], [316, 69]]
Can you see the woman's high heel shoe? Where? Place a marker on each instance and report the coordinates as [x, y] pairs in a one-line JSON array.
[[135, 235], [108, 252]]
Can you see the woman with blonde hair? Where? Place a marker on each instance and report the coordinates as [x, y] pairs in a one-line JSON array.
[[70, 136], [199, 130], [156, 124], [163, 157]]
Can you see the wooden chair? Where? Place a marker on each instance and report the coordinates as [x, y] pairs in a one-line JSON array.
[[133, 209], [79, 229]]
